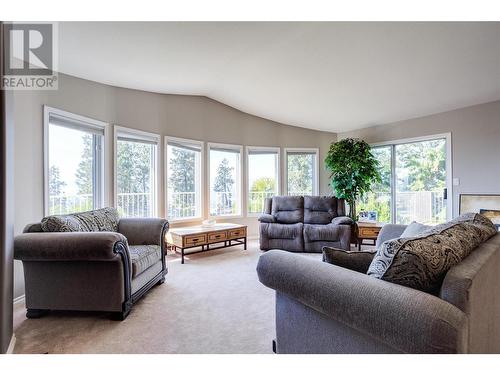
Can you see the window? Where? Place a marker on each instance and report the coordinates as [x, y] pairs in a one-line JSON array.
[[225, 167], [184, 171], [74, 162], [136, 172], [301, 171], [415, 181], [263, 176]]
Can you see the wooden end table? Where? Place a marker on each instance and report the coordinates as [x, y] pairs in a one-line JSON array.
[[226, 234], [367, 231]]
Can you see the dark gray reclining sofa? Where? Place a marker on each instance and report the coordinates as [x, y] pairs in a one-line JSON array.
[[304, 224], [91, 261]]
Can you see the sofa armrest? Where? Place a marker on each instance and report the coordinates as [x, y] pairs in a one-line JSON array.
[[406, 319], [143, 231], [389, 232], [342, 220], [68, 246], [267, 218]]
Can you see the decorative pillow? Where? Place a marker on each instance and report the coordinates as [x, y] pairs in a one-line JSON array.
[[414, 229], [354, 260], [422, 262], [101, 220]]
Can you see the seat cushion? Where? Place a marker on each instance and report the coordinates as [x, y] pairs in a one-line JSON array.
[[102, 220], [288, 209], [143, 257], [319, 210], [284, 231], [326, 233], [422, 262]]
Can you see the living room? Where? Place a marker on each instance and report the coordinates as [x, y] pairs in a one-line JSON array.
[[250, 187]]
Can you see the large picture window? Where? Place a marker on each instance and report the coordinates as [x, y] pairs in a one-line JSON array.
[[225, 166], [74, 162], [263, 176], [136, 172], [415, 181], [301, 171], [184, 171]]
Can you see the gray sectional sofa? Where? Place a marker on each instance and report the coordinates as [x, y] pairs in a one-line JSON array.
[[304, 224], [91, 261]]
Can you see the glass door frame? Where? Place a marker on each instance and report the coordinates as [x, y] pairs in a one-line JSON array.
[[449, 168]]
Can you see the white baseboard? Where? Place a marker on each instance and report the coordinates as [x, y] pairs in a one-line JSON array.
[[10, 349], [19, 299]]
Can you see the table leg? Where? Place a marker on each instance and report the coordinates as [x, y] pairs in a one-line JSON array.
[[182, 255], [245, 244]]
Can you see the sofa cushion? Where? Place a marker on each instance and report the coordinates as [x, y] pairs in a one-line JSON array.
[[285, 232], [414, 229], [329, 232], [143, 257], [354, 260], [422, 262], [319, 210], [288, 209], [101, 220]]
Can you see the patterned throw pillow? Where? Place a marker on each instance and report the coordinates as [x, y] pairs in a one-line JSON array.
[[101, 220], [422, 262]]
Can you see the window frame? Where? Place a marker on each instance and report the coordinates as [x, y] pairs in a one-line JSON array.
[[101, 198], [186, 141], [305, 150], [241, 201], [248, 150], [449, 167], [138, 135]]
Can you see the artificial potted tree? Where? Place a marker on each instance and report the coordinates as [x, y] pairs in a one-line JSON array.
[[353, 169]]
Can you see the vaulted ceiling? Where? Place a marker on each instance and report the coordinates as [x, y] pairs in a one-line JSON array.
[[328, 76]]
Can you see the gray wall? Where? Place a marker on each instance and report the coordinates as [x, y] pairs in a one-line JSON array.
[[192, 117], [475, 133]]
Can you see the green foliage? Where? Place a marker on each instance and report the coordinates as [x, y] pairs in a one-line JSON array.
[[84, 172], [55, 184], [353, 170], [133, 170], [264, 184], [300, 174], [182, 165], [224, 179]]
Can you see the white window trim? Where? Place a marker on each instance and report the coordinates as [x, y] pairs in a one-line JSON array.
[[103, 167], [144, 136], [449, 167], [202, 178], [242, 201], [285, 167], [277, 151]]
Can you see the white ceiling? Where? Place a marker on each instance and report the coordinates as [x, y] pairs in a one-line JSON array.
[[327, 76]]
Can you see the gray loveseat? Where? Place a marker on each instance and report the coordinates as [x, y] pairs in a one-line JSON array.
[[323, 308], [92, 261], [304, 224]]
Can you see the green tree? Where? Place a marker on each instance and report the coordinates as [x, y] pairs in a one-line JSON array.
[[300, 174], [182, 166], [353, 170], [264, 184], [84, 171], [55, 184], [223, 183]]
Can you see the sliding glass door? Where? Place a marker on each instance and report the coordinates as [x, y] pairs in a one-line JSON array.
[[414, 182]]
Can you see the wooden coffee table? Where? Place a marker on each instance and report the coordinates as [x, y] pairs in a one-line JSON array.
[[224, 234], [367, 231]]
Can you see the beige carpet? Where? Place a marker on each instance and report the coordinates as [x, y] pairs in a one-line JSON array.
[[213, 303]]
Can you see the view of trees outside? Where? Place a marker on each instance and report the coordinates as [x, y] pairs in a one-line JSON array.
[[379, 199], [182, 180], [134, 178], [224, 182], [300, 174], [262, 174], [420, 181], [70, 171]]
